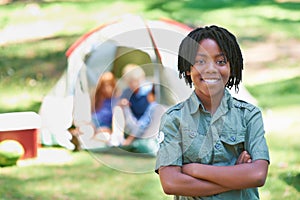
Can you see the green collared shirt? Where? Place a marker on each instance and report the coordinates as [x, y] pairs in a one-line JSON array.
[[189, 134]]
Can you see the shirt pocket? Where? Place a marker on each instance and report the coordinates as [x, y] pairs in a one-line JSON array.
[[192, 146], [233, 141]]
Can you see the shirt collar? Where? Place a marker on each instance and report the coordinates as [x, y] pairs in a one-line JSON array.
[[195, 103], [225, 104]]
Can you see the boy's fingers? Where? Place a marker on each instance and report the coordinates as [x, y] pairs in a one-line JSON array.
[[241, 157], [244, 158], [247, 158]]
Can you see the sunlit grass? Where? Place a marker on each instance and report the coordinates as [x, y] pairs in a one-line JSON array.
[[277, 93], [69, 17], [14, 104], [43, 60], [268, 20], [282, 132], [284, 174], [81, 177], [66, 18], [66, 175]]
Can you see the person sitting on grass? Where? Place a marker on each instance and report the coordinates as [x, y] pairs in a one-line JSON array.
[[104, 102], [138, 106], [97, 132], [139, 126]]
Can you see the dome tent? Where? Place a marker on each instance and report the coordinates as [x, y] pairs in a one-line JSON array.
[[153, 44]]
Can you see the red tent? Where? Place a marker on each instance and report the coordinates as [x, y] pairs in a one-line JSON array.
[[153, 44]]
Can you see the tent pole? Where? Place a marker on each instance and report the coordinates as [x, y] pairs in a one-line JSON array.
[[157, 63]]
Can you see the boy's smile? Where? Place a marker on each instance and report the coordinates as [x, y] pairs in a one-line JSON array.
[[210, 80]]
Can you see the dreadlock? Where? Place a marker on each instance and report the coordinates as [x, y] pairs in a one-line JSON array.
[[228, 45]]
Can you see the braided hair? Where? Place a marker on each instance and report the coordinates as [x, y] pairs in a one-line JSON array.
[[227, 43]]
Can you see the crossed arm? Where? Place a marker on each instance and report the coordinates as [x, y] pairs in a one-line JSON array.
[[196, 179]]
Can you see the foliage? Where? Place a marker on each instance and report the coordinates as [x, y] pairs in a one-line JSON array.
[[10, 152]]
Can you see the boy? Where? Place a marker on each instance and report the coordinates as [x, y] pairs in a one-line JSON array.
[[212, 146]]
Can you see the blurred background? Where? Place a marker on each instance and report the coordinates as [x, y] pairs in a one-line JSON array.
[[34, 37]]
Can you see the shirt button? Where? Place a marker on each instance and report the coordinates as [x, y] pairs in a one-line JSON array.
[[192, 134], [218, 146], [232, 138]]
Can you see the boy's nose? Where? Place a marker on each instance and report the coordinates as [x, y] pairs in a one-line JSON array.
[[210, 67]]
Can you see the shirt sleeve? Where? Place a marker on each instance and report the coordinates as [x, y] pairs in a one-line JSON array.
[[169, 137], [255, 142]]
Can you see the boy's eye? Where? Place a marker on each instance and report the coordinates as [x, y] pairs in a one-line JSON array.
[[222, 62], [199, 62]]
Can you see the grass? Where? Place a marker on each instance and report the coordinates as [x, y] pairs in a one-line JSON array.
[[29, 70], [30, 66], [283, 180], [280, 93], [81, 176], [102, 176]]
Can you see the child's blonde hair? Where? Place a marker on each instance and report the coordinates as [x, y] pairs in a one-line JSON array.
[[133, 71]]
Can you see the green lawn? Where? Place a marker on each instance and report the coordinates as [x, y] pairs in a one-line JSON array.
[[80, 175], [84, 175], [282, 131], [30, 66]]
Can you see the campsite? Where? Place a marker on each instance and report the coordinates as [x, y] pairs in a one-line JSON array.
[[35, 64]]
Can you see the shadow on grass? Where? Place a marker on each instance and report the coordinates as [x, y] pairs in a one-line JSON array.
[[168, 5], [40, 62], [202, 5], [292, 179], [193, 4], [41, 59], [11, 192], [267, 93]]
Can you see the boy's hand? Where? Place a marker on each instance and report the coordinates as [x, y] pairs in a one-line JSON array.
[[244, 158], [189, 168], [124, 102]]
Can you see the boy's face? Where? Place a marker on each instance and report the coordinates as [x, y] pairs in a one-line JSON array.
[[134, 84], [211, 70]]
